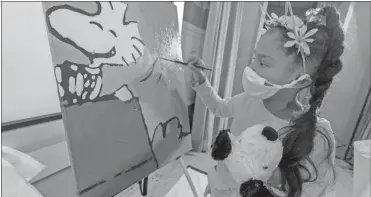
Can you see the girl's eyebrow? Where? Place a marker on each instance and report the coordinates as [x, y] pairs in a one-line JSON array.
[[263, 56]]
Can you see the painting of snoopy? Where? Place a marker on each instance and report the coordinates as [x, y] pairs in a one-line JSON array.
[[122, 122]]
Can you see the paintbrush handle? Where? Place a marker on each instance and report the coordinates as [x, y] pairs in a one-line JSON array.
[[179, 62], [185, 64], [202, 68]]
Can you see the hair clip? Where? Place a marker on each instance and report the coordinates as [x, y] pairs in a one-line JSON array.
[[315, 15]]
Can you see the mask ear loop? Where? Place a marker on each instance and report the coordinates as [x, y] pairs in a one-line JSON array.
[[286, 8], [265, 13], [303, 57]]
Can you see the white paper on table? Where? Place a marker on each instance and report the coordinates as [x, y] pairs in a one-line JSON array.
[[14, 185], [183, 189], [25, 165]]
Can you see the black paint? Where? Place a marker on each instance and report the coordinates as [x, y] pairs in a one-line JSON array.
[[91, 187], [88, 54], [116, 175]]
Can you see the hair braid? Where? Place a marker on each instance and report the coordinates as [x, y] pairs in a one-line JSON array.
[[299, 139]]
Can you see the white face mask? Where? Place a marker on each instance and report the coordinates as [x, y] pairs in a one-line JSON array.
[[257, 86]]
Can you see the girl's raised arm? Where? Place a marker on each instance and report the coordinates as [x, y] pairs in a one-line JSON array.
[[218, 106]]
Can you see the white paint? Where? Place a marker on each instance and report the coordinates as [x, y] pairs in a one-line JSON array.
[[29, 87], [58, 74], [61, 90], [89, 37], [87, 83], [71, 85], [74, 67], [123, 94], [92, 70], [79, 84], [92, 84], [84, 95], [95, 92]]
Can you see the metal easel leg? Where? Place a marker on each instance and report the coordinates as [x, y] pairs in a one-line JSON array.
[[190, 182]]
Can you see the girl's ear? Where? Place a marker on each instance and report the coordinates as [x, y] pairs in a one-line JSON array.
[[303, 81], [255, 188]]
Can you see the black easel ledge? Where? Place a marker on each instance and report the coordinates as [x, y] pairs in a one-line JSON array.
[[17, 124]]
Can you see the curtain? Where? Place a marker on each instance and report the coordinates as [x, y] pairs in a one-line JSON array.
[[195, 20], [227, 53]]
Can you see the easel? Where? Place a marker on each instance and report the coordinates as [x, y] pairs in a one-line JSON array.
[[143, 188]]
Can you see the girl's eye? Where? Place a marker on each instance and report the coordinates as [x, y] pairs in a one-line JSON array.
[[263, 65]]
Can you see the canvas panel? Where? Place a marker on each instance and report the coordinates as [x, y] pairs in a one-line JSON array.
[[122, 122]]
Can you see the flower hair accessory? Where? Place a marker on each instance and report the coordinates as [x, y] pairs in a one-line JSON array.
[[296, 27]]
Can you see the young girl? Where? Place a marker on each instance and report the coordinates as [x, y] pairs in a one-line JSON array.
[[272, 82]]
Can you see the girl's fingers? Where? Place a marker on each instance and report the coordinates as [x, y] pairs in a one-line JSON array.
[[194, 60], [194, 69]]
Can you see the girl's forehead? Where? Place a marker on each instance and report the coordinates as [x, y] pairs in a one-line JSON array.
[[270, 44]]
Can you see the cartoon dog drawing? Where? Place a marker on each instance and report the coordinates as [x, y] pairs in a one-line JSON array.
[[120, 64]]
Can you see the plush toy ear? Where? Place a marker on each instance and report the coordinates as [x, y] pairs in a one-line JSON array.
[[255, 188], [222, 146]]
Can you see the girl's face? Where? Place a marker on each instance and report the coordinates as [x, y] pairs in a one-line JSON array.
[[272, 63]]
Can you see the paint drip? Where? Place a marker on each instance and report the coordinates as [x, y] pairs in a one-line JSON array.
[[169, 47]]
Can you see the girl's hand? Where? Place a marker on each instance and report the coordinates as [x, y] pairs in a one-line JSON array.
[[195, 74]]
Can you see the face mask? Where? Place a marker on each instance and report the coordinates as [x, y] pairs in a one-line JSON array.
[[257, 86]]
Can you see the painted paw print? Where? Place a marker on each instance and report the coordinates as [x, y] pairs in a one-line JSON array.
[[78, 84]]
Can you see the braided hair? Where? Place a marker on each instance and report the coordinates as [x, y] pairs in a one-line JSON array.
[[298, 141]]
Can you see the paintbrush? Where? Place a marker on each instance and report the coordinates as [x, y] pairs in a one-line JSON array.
[[185, 64]]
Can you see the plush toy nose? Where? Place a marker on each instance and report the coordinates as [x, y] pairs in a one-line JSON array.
[[270, 133]]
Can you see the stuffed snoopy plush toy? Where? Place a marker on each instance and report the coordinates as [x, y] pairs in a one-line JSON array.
[[245, 162]]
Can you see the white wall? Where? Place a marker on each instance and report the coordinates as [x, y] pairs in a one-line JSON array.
[[28, 83], [344, 100], [180, 8]]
